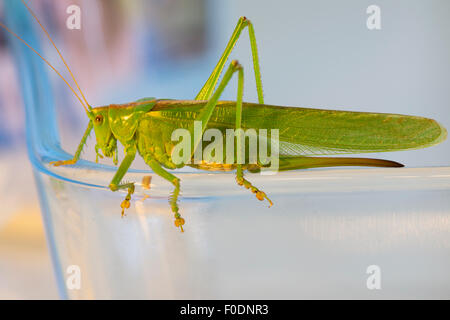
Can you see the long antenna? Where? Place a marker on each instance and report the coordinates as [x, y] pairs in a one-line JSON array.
[[48, 63], [60, 55]]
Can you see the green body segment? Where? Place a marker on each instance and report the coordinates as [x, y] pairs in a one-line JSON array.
[[303, 132]]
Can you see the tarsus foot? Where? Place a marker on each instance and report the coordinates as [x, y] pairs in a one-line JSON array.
[[260, 195], [125, 204], [179, 221]]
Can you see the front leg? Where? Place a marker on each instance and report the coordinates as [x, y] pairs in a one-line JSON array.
[[115, 182], [79, 149]]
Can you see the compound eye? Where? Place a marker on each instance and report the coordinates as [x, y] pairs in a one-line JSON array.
[[99, 119]]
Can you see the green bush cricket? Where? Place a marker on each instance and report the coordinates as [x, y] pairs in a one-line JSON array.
[[305, 135]]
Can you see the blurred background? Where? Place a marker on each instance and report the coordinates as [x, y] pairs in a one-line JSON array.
[[312, 53]]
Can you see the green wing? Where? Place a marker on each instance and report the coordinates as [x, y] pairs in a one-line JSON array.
[[305, 131]]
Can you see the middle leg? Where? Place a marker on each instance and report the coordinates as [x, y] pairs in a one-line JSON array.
[[115, 184], [173, 200]]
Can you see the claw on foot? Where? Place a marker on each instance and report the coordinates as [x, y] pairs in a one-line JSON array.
[[259, 194], [125, 205], [179, 223]]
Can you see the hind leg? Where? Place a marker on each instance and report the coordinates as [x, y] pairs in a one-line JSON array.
[[260, 195], [205, 116], [208, 89]]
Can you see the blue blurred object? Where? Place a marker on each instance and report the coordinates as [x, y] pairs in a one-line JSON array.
[[42, 133]]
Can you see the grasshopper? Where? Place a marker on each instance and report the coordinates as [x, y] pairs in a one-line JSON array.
[[145, 127]]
